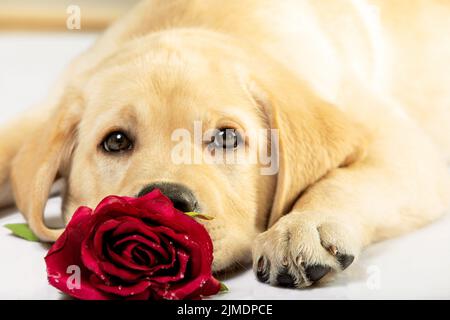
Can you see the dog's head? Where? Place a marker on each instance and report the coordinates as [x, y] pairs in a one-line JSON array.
[[187, 112]]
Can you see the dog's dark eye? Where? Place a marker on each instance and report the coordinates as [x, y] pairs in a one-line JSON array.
[[117, 142], [226, 138]]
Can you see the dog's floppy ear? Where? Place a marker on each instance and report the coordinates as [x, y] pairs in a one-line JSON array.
[[315, 137], [42, 159]]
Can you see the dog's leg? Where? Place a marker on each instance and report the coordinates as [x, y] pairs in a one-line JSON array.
[[9, 145], [401, 184], [13, 135]]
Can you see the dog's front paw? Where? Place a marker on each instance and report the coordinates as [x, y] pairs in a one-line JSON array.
[[302, 248]]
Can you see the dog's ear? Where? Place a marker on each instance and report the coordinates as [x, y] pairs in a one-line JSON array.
[[314, 137], [43, 158]]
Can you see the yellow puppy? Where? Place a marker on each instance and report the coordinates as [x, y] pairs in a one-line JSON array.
[[355, 92]]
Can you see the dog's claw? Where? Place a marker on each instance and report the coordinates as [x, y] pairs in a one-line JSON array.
[[263, 270], [345, 260], [333, 250], [316, 272]]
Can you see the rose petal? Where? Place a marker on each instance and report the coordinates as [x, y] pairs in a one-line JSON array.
[[66, 252], [91, 254], [145, 295], [142, 256], [195, 288], [122, 266], [112, 207], [125, 258], [200, 258], [153, 202], [182, 259], [134, 226], [199, 269], [170, 261], [120, 289], [144, 241], [211, 288], [200, 255]]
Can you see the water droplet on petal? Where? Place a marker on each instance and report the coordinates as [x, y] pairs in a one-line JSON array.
[[55, 275]]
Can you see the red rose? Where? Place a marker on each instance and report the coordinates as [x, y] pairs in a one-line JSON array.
[[133, 248]]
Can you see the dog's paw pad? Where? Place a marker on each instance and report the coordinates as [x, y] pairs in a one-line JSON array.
[[285, 279]]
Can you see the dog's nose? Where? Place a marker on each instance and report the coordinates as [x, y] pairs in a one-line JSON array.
[[183, 199]]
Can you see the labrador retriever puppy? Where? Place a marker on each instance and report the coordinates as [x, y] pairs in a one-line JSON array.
[[356, 93]]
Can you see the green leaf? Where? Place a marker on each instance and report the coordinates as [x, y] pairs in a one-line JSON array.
[[223, 288], [199, 215], [22, 230]]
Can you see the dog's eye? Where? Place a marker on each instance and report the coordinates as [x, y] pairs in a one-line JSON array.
[[226, 138], [117, 142]]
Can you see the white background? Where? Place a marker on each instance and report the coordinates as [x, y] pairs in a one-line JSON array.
[[413, 266]]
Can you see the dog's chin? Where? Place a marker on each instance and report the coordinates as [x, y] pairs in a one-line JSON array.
[[230, 258], [224, 268], [231, 267]]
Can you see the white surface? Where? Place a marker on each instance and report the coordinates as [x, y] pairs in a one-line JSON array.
[[413, 266]]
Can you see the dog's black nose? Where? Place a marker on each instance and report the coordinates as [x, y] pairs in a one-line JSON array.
[[183, 199]]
